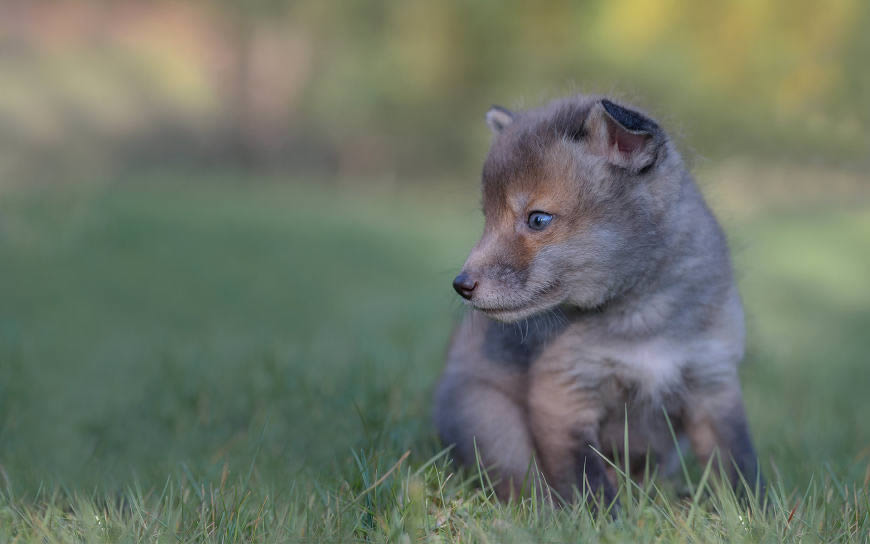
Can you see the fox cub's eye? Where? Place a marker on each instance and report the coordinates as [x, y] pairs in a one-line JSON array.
[[539, 220]]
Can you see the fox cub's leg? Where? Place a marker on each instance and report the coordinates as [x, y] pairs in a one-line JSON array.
[[473, 413], [564, 418], [716, 422]]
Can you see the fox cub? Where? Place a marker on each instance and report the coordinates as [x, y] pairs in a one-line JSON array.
[[602, 295]]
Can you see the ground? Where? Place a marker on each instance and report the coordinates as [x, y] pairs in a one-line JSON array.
[[212, 357]]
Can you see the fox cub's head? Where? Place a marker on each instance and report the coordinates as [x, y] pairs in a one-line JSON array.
[[574, 196]]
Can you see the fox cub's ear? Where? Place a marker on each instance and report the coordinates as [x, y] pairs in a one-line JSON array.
[[498, 118], [624, 137]]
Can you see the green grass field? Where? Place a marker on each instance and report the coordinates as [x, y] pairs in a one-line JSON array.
[[229, 360]]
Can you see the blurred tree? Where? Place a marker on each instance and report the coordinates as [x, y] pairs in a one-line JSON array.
[[241, 21]]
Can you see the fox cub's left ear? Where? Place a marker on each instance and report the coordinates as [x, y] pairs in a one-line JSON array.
[[624, 137], [498, 118]]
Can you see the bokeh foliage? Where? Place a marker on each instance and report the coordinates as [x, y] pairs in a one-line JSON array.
[[382, 88]]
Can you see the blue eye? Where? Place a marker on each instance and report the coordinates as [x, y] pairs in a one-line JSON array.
[[539, 220]]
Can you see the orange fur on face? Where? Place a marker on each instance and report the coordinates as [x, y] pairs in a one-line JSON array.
[[549, 187]]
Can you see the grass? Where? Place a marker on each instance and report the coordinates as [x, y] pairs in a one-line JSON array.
[[227, 360]]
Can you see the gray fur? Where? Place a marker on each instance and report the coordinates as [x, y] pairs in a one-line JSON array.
[[630, 303]]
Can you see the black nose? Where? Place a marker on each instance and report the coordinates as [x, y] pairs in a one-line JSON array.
[[464, 285]]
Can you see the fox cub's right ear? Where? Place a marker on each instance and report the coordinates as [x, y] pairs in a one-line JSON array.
[[624, 137], [498, 118]]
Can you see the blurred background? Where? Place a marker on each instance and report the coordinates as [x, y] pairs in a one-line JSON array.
[[396, 89], [227, 229]]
